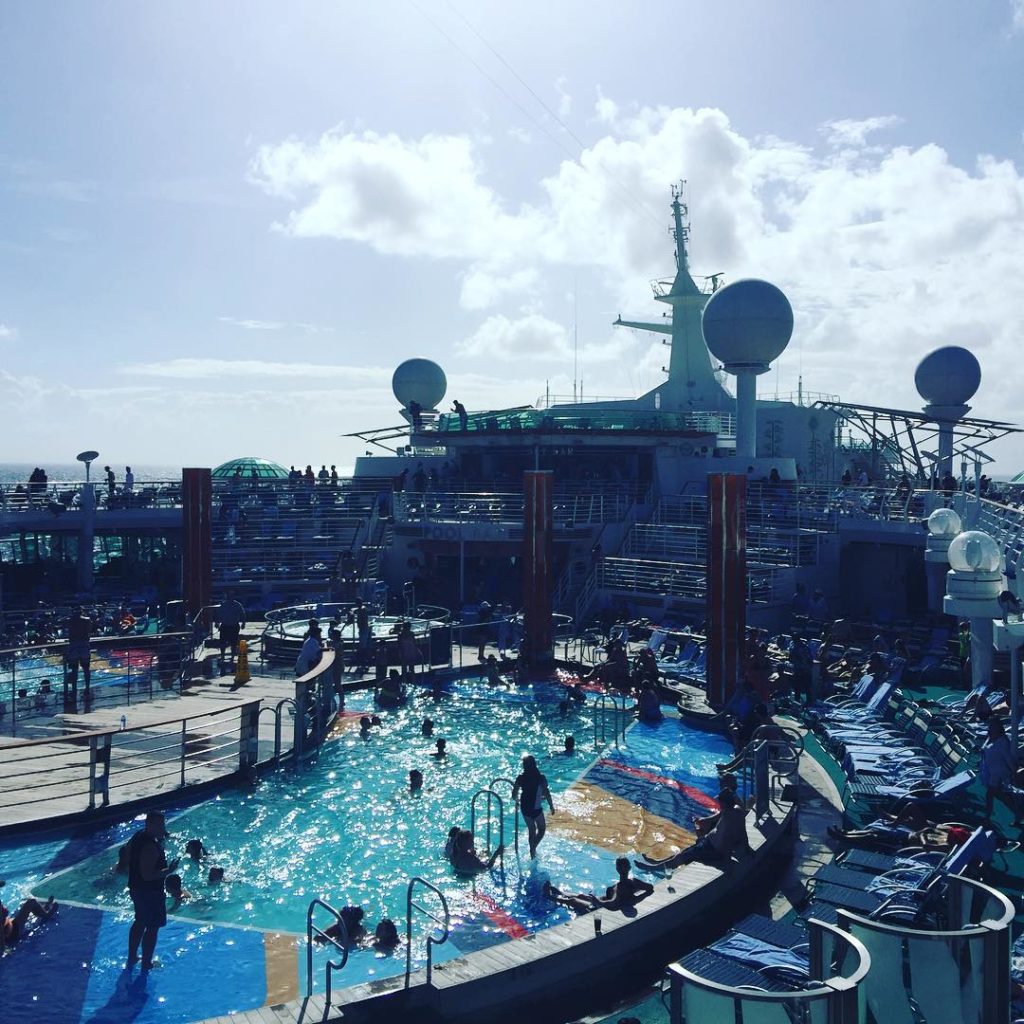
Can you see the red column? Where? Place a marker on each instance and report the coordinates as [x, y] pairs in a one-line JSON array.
[[197, 540], [727, 583], [538, 575]]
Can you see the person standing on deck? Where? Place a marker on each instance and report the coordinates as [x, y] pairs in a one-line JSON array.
[[79, 630], [231, 618], [460, 410], [147, 872], [531, 787], [111, 482], [129, 481]]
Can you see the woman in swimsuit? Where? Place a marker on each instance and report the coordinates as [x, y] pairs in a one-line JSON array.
[[532, 789]]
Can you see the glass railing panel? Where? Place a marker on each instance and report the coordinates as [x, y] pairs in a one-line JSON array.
[[884, 990]]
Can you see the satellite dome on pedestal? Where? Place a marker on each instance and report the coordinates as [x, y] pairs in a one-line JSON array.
[[747, 323], [419, 380], [948, 376]]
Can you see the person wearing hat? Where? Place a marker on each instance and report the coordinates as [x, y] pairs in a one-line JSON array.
[[147, 872]]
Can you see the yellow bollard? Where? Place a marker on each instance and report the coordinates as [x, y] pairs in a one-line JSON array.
[[242, 667]]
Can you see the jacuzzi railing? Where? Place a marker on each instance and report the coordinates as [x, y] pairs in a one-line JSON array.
[[492, 797], [35, 685], [313, 932], [956, 976], [410, 906], [838, 966]]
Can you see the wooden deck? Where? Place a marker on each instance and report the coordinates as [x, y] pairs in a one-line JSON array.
[[60, 768]]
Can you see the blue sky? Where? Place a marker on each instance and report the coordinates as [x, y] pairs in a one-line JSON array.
[[223, 225]]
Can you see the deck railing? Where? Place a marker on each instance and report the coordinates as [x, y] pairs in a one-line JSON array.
[[89, 769], [839, 964]]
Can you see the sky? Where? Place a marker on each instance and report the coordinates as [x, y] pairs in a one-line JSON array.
[[223, 225]]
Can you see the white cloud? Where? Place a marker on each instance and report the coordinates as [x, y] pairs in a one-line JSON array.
[[273, 325], [533, 338], [227, 370], [885, 250], [482, 288], [528, 338], [1016, 15], [607, 110], [410, 198], [564, 99], [7, 333], [848, 132]]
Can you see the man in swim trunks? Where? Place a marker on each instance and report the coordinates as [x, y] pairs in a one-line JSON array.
[[12, 926], [147, 872], [532, 789]]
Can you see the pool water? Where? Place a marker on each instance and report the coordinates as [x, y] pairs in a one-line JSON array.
[[346, 829]]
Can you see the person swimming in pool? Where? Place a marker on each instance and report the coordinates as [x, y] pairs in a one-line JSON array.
[[466, 860], [385, 936], [532, 789], [427, 728], [442, 748], [415, 780], [449, 846], [364, 727], [178, 894], [350, 930], [215, 877], [195, 850]]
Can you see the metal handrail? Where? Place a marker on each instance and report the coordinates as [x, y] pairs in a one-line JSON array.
[[342, 946], [491, 795], [601, 708], [411, 905], [515, 811]]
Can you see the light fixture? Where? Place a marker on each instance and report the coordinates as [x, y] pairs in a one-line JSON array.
[[975, 551], [944, 522]]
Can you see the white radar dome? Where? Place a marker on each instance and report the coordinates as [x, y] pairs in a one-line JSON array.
[[747, 323], [975, 551], [419, 380], [948, 376], [944, 522]]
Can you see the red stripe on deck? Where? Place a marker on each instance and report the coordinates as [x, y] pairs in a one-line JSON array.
[[692, 792], [496, 915]]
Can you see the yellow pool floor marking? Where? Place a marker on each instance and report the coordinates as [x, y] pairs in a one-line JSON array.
[[282, 967], [589, 813]]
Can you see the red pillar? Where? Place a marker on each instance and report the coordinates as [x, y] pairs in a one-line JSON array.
[[197, 540], [727, 583], [538, 574]]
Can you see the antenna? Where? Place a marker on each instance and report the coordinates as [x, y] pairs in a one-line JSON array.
[[681, 227], [575, 342]]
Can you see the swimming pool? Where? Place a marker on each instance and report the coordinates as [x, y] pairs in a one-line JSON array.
[[347, 829]]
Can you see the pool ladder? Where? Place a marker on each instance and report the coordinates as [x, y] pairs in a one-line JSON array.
[[607, 705], [492, 798], [515, 810], [444, 923], [313, 930]]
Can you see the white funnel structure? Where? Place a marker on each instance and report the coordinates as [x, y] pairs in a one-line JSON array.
[[947, 379], [746, 325]]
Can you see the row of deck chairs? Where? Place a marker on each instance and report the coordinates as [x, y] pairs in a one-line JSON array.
[[906, 888], [891, 747]]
